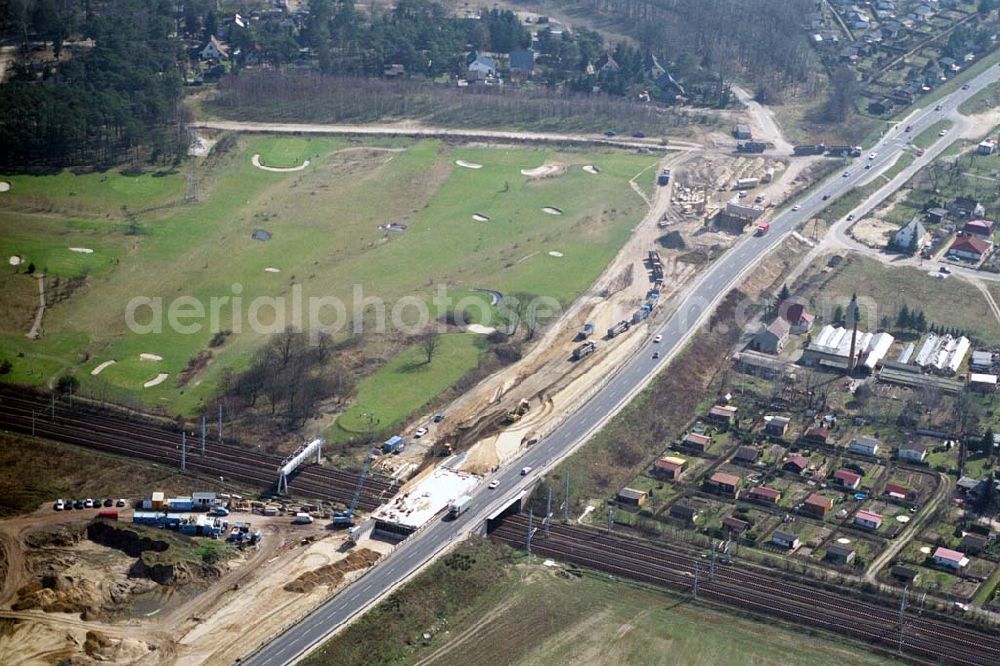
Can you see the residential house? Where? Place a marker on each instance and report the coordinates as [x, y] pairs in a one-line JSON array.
[[817, 506], [817, 436], [776, 426], [607, 64], [215, 50], [968, 486], [670, 467], [747, 455], [980, 228], [480, 67], [796, 315], [841, 555], [847, 479], [866, 446], [970, 248], [796, 464], [936, 215], [914, 452], [761, 365], [631, 497], [734, 525], [905, 574], [964, 206], [785, 540], [973, 543], [868, 519], [950, 559], [742, 132], [684, 513], [724, 483], [772, 339], [521, 63], [722, 414], [904, 238], [694, 441], [895, 491], [764, 495]]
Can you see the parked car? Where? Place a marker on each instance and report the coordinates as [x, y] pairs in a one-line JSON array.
[[59, 505], [438, 418], [944, 269], [109, 502], [639, 135], [78, 504], [421, 431], [610, 133], [88, 503], [220, 511], [122, 502]]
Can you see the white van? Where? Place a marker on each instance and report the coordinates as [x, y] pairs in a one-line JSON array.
[[302, 519]]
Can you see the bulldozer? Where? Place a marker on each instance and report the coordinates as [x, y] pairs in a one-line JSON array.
[[515, 415]]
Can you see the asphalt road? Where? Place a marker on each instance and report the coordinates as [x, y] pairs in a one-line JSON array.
[[695, 305]]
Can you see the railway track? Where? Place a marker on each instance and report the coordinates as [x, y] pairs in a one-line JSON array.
[[925, 639], [26, 411]]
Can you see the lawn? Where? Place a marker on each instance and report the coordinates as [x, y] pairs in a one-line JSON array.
[[327, 242], [884, 289], [930, 136], [539, 615], [407, 382], [985, 100]]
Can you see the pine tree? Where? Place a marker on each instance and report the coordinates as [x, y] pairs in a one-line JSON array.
[[838, 314], [920, 322], [785, 293], [903, 318]]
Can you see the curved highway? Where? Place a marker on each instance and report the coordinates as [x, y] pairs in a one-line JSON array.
[[695, 304]]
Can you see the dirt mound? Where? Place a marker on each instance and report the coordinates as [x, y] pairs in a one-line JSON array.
[[126, 540], [102, 648], [331, 575], [672, 241]]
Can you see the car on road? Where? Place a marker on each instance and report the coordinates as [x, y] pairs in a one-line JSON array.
[[846, 174], [656, 354], [868, 166], [121, 502], [872, 156], [438, 418], [639, 135], [944, 269], [850, 218], [658, 338], [421, 431], [825, 197], [796, 207], [920, 152], [965, 87], [525, 471], [494, 484], [59, 505], [942, 132], [610, 133], [908, 128], [937, 108], [88, 503]]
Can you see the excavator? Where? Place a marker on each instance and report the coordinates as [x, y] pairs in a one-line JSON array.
[[516, 414]]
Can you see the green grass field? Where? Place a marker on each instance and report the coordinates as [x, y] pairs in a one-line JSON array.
[[930, 136], [486, 605], [326, 242]]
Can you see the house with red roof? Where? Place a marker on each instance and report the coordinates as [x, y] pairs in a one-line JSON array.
[[724, 483], [868, 519], [982, 228], [847, 479], [950, 559], [764, 495], [970, 248], [817, 506], [796, 464], [897, 492], [796, 315]]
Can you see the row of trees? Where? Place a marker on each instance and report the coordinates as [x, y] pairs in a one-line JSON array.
[[104, 104]]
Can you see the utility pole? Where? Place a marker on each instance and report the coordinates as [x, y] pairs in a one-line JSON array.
[[902, 617], [531, 523], [711, 574], [548, 512], [697, 573], [53, 397], [183, 450], [611, 512], [220, 423], [566, 503], [852, 320], [203, 435]]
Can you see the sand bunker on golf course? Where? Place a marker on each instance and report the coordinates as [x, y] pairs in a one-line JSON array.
[[555, 253], [15, 260], [158, 379], [272, 269], [256, 162], [81, 250], [591, 169], [552, 210], [479, 217], [468, 165], [150, 357], [544, 171], [479, 329], [99, 369]]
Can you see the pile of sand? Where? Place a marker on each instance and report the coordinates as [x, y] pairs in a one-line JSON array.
[[150, 357], [331, 575], [256, 162], [555, 253], [479, 217], [468, 165], [272, 269], [544, 171], [479, 329], [552, 210], [590, 168], [81, 250], [96, 371], [156, 381]]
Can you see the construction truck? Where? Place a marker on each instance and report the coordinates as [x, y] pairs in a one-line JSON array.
[[664, 178], [762, 229], [515, 415], [619, 328], [345, 518], [585, 332], [751, 147], [586, 349], [810, 149]]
